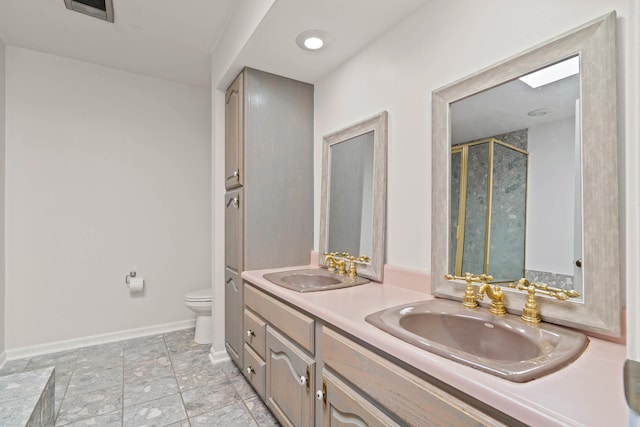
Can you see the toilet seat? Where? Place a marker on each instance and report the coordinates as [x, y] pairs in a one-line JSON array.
[[199, 295]]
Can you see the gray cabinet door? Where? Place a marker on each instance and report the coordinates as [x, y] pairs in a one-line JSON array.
[[233, 138], [233, 267], [233, 317], [290, 374], [233, 232]]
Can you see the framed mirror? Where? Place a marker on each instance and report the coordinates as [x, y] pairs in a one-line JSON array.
[[354, 193], [525, 178]]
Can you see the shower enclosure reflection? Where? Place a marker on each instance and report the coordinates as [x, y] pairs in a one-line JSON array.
[[488, 207]]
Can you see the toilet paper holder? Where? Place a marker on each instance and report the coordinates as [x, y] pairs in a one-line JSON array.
[[128, 277]]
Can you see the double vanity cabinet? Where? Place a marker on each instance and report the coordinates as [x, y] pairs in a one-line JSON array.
[[315, 360], [311, 373]]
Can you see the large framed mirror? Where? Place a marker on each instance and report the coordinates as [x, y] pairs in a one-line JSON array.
[[525, 178], [354, 193]]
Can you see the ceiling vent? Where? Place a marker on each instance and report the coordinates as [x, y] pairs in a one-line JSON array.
[[101, 9]]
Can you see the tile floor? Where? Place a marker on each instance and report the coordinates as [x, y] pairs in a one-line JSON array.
[[159, 380]]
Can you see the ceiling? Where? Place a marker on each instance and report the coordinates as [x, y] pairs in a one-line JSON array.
[[351, 25], [505, 108], [173, 39]]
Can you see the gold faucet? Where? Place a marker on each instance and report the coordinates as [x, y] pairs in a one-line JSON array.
[[331, 257], [469, 299], [497, 298], [352, 264], [530, 312], [342, 270]]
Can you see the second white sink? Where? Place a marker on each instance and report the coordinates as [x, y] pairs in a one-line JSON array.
[[313, 279]]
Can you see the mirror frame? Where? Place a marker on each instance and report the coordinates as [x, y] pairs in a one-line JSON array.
[[600, 309], [378, 124]]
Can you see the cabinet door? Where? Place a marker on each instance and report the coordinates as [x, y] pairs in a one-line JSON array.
[[344, 407], [233, 317], [290, 374], [233, 233], [233, 138]]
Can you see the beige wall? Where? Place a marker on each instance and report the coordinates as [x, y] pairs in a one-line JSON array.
[[107, 172]]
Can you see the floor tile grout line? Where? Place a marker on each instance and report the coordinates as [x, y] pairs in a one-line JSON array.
[[184, 406]]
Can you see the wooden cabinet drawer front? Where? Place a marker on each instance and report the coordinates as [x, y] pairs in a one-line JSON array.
[[255, 330], [346, 407], [297, 326], [412, 399], [255, 370]]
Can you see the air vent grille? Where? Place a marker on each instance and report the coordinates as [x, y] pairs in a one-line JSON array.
[[101, 9]]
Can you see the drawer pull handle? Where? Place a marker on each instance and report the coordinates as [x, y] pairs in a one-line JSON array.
[[250, 370], [319, 395], [250, 333], [234, 201]]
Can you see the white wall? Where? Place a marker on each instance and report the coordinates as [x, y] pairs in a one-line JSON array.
[[551, 186], [441, 43], [107, 172], [2, 203]]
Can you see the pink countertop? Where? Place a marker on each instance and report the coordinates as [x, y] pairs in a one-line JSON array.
[[588, 392]]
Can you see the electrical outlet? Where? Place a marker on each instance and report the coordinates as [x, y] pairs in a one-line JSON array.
[[632, 384]]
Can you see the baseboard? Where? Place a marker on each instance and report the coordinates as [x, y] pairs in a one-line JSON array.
[[37, 350], [3, 359], [218, 356]]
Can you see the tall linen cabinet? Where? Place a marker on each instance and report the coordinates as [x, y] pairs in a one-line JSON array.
[[269, 183]]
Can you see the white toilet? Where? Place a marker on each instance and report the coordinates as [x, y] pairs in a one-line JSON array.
[[199, 301]]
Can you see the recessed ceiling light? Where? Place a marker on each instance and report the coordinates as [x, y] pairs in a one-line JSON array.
[[312, 40], [539, 112], [553, 73]]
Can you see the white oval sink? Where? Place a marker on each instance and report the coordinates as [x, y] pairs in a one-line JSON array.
[[502, 346], [313, 279]]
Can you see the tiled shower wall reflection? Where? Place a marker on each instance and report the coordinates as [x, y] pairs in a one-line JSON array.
[[508, 207]]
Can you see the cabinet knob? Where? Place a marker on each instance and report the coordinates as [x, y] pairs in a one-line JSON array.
[[250, 370], [250, 333], [236, 173], [322, 394], [303, 380]]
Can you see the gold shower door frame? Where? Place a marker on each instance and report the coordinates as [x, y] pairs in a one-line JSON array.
[[463, 150]]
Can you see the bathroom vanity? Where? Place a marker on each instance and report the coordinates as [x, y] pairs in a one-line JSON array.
[[312, 358]]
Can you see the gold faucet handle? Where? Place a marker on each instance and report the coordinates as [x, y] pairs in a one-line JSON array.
[[482, 278], [544, 289], [469, 298], [530, 312]]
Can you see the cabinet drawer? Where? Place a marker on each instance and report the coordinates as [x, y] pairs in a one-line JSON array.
[[297, 326], [254, 370], [255, 330], [344, 406], [414, 400]]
